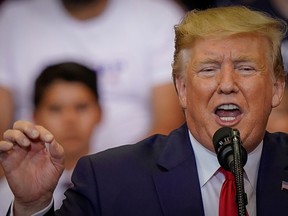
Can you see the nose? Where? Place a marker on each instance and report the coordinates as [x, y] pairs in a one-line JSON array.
[[70, 115], [227, 80]]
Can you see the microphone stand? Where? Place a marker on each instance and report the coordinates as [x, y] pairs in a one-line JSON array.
[[241, 196]]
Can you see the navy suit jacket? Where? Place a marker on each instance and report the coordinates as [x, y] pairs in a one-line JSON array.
[[158, 177]]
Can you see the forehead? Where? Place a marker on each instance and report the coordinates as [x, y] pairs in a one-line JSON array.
[[235, 46], [68, 90]]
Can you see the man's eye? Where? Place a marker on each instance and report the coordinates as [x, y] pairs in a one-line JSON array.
[[207, 71], [246, 70], [81, 107], [55, 109]]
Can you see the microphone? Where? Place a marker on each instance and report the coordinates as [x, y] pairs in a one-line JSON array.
[[223, 140], [232, 156]]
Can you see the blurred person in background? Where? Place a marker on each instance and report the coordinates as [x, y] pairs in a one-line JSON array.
[[130, 44], [66, 101]]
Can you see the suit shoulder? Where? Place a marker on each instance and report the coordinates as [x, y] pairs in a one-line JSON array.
[[146, 152], [276, 137], [276, 141], [150, 147]]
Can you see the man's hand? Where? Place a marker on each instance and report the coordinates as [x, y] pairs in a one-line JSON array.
[[33, 163]]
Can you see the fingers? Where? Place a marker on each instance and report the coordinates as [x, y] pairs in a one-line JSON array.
[[25, 127], [5, 146], [56, 152], [23, 132], [33, 131], [44, 134], [16, 136]]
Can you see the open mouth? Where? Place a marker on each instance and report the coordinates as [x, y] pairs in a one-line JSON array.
[[228, 112]]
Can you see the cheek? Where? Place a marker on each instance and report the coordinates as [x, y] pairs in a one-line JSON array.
[[87, 128], [258, 91], [56, 129], [88, 122], [200, 92]]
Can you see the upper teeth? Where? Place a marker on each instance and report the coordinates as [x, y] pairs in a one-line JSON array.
[[228, 107]]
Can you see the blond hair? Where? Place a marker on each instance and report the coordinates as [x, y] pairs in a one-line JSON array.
[[223, 22]]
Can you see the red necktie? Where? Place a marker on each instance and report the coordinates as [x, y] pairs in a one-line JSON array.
[[227, 203]]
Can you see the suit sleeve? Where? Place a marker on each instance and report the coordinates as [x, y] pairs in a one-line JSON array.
[[82, 198]]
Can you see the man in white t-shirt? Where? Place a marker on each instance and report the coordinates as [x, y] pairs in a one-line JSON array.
[[129, 42]]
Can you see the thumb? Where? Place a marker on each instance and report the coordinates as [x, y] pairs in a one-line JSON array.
[[57, 154]]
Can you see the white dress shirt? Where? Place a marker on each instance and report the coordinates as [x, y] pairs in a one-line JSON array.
[[211, 179]]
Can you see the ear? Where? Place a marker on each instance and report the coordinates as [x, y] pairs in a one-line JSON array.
[[278, 92], [182, 91]]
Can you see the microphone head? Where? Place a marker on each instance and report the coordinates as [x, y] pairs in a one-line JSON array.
[[221, 138], [223, 147]]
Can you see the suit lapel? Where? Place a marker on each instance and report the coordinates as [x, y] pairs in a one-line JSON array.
[[178, 184], [271, 198]]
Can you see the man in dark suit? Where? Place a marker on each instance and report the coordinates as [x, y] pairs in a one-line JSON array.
[[228, 72]]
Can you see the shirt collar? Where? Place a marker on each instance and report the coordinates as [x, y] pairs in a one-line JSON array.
[[252, 166], [207, 162]]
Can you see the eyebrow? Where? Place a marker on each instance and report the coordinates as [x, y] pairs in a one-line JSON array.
[[238, 59], [245, 58], [209, 61]]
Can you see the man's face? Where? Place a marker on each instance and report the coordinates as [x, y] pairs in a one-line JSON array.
[[229, 82], [69, 110]]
